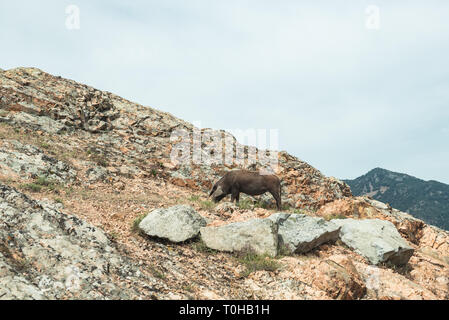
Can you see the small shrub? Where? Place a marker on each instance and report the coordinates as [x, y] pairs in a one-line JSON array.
[[33, 187], [43, 181], [261, 204], [246, 204], [46, 183], [44, 145], [207, 205]]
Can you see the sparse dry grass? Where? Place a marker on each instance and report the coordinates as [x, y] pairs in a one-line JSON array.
[[255, 262]]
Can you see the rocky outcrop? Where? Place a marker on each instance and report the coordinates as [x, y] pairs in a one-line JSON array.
[[377, 240], [46, 254], [177, 224], [31, 162], [256, 235], [338, 276], [299, 233], [385, 284]]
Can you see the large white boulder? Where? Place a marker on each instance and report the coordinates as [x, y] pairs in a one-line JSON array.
[[257, 235], [375, 239], [177, 224]]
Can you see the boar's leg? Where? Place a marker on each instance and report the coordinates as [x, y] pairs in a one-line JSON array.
[[235, 195], [277, 196]]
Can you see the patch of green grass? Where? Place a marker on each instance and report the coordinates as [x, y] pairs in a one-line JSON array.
[[261, 204], [246, 204], [136, 222], [299, 211], [43, 181], [194, 198], [59, 200], [207, 204], [335, 216], [204, 204], [44, 145], [255, 262], [40, 184], [33, 187], [286, 207]]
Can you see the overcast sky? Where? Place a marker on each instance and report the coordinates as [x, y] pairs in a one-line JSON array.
[[345, 97]]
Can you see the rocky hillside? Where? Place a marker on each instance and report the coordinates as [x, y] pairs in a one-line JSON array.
[[92, 207], [426, 200]]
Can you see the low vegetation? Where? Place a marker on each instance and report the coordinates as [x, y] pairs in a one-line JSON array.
[[40, 184], [200, 246], [255, 262], [204, 204], [136, 222], [335, 216]]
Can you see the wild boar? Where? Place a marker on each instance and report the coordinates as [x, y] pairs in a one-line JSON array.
[[249, 182]]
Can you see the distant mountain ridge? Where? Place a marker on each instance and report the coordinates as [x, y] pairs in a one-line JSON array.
[[426, 200]]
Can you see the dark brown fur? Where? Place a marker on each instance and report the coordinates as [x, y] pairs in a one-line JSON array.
[[249, 182]]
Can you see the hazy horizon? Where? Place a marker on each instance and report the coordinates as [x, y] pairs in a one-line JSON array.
[[345, 98]]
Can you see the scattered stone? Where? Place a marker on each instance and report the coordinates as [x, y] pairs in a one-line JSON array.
[[226, 207], [257, 235], [375, 239], [339, 278], [95, 174], [177, 224], [385, 284]]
